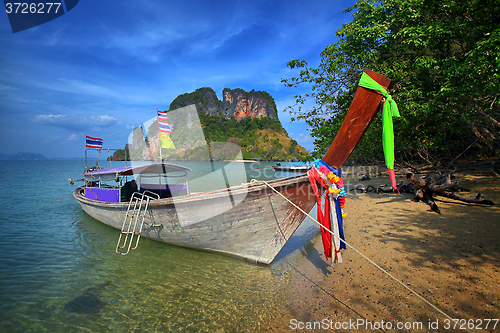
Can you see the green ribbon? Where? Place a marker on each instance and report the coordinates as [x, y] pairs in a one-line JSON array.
[[390, 110]]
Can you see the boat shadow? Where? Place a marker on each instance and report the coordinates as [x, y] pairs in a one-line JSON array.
[[303, 244], [316, 258]]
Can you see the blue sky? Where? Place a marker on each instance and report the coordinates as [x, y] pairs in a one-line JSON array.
[[102, 68]]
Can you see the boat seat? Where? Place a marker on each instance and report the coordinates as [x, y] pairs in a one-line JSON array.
[[127, 190]]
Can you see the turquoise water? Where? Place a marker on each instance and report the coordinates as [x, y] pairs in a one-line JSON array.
[[59, 271]]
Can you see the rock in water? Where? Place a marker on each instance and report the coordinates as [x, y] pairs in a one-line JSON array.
[[85, 304], [88, 302]]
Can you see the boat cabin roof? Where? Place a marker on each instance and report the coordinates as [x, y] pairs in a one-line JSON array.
[[154, 169]]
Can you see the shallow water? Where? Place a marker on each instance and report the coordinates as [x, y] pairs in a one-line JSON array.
[[59, 271]]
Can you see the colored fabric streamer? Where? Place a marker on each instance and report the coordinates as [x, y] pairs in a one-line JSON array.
[[340, 219], [390, 110], [323, 217], [333, 201], [319, 163]]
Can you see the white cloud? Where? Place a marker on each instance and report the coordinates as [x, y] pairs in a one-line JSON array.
[[82, 87], [75, 122]]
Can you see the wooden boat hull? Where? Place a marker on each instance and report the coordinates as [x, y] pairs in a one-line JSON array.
[[256, 229]]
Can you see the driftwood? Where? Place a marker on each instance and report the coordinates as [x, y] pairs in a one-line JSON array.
[[443, 186], [425, 188]]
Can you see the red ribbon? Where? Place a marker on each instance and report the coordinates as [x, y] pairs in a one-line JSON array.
[[323, 217]]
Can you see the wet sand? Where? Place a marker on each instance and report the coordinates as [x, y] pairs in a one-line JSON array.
[[451, 259]]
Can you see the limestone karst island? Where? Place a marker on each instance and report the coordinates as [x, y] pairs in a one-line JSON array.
[[245, 119]]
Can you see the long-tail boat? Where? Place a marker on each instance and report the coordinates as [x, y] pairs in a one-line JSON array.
[[250, 221]]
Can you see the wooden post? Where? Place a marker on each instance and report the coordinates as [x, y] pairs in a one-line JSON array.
[[363, 109]]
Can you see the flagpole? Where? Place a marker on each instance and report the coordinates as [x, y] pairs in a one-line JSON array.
[[159, 133]]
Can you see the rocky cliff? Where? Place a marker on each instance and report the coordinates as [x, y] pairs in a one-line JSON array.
[[235, 103]]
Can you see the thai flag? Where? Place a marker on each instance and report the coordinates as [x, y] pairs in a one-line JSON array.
[[162, 115], [94, 143], [163, 125]]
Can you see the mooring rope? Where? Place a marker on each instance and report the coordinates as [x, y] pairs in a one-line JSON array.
[[365, 257], [308, 278], [64, 197]]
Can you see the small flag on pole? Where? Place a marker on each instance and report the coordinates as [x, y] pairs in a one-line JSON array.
[[94, 143], [165, 130], [163, 125]]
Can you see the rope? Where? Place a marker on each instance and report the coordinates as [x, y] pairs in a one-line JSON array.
[[250, 182], [328, 293], [64, 197], [365, 257], [308, 278]]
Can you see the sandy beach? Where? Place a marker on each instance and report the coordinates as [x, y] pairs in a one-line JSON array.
[[451, 259]]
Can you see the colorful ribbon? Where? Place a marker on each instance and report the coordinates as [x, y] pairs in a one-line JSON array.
[[323, 217], [331, 180], [390, 110]]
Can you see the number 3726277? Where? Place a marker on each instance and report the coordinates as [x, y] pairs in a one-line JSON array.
[[32, 8]]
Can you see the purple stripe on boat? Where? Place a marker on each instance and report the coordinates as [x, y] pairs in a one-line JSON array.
[[102, 194]]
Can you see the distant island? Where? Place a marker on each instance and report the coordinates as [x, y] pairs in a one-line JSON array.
[[246, 119], [20, 156], [23, 157]]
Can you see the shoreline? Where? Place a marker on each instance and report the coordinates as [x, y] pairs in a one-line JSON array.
[[452, 260]]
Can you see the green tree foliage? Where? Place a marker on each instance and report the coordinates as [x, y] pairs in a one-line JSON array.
[[263, 138], [120, 154], [444, 59]]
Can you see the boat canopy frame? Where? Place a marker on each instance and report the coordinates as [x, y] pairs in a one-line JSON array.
[[97, 182], [98, 161], [106, 184]]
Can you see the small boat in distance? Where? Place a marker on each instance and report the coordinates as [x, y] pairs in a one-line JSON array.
[[251, 221], [299, 167]]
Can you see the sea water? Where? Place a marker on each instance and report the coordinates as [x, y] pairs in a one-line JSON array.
[[59, 271]]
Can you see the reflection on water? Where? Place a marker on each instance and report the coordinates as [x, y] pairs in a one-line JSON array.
[[59, 272]]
